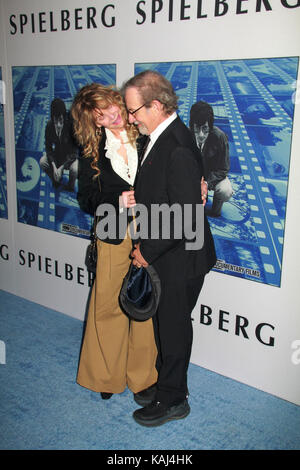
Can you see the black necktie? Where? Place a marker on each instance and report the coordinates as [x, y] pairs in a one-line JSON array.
[[143, 151], [141, 154]]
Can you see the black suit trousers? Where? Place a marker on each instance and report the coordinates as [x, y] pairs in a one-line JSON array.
[[174, 336]]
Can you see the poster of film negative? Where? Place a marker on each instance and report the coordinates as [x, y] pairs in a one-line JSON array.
[[3, 184], [42, 99], [253, 107]]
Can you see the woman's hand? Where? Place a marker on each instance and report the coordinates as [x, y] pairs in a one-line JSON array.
[[127, 199]]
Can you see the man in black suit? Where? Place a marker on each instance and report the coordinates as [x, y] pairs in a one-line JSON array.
[[170, 174], [213, 145], [61, 149]]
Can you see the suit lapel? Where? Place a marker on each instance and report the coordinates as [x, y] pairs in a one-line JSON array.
[[155, 149], [142, 143]]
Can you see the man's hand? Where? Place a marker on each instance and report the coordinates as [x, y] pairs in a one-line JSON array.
[[204, 190], [138, 259], [57, 173]]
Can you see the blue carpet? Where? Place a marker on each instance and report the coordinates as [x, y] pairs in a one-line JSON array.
[[42, 407]]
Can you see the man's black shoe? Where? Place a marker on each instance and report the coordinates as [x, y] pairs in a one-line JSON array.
[[146, 396], [157, 413]]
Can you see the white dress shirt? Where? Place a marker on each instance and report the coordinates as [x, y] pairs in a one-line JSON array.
[[156, 133], [112, 145]]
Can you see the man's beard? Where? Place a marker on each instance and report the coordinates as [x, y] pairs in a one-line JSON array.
[[143, 129]]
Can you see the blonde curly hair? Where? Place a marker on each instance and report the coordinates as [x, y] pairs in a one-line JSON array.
[[87, 134]]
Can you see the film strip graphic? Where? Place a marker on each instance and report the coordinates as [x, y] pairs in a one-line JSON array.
[[3, 179], [3, 187], [210, 80], [46, 208], [268, 227], [43, 84]]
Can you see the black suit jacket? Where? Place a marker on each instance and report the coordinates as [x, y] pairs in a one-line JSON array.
[[60, 149], [104, 189], [215, 155], [171, 174]]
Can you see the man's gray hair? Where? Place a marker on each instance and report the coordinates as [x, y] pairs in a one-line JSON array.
[[151, 86]]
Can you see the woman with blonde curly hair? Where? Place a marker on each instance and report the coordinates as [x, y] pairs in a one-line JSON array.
[[116, 352]]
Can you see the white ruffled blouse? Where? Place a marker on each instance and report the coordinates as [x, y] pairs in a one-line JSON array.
[[127, 172]]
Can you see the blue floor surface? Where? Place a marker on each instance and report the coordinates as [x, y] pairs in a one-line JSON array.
[[42, 407]]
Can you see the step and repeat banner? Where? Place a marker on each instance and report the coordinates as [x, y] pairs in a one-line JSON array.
[[241, 57]]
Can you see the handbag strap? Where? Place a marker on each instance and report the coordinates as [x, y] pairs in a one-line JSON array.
[[93, 230], [133, 214]]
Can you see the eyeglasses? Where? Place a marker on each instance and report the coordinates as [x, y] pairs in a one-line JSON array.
[[136, 110]]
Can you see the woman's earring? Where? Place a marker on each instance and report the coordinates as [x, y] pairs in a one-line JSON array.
[[98, 132]]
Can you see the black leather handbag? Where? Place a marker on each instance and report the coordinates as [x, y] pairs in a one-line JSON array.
[[91, 251]]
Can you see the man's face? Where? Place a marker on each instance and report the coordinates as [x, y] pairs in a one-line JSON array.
[[201, 133], [138, 114], [59, 122]]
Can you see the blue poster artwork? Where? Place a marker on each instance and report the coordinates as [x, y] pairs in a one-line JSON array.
[[41, 95], [3, 184], [246, 152]]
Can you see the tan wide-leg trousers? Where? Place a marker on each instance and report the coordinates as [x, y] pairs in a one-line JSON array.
[[116, 352]]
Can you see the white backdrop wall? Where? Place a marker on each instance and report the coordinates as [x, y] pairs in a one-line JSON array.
[[246, 330]]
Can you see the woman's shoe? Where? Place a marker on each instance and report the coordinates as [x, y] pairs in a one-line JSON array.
[[106, 396]]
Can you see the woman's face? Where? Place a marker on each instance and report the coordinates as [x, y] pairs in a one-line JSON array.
[[110, 117]]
